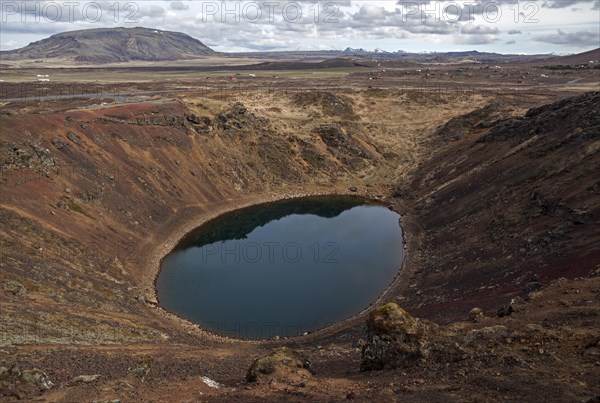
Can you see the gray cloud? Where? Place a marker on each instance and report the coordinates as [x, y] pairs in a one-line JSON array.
[[431, 28], [371, 17], [476, 39], [568, 3], [178, 6], [412, 2], [515, 32], [472, 29], [578, 39], [344, 3], [481, 8], [92, 13], [34, 29]]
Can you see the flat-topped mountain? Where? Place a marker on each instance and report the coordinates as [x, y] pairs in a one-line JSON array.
[[111, 45]]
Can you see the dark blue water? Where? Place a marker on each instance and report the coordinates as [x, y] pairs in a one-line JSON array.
[[282, 269]]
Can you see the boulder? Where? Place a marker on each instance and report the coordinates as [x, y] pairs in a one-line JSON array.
[[193, 118], [476, 314], [505, 310], [83, 379], [282, 364], [22, 383], [73, 137], [238, 109], [394, 338], [58, 143], [13, 287], [486, 335], [530, 288]]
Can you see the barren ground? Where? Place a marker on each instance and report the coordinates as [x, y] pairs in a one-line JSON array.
[[497, 204]]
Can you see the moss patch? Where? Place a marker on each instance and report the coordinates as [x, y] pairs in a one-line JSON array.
[[78, 209]]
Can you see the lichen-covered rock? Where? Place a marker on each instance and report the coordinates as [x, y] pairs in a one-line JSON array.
[[282, 364], [340, 143], [20, 384], [476, 314], [13, 287], [486, 335], [37, 378], [393, 338], [83, 379]]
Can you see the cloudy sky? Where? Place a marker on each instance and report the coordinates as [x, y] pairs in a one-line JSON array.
[[505, 26]]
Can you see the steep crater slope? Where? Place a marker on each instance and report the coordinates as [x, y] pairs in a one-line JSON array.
[[93, 198], [88, 195], [505, 203]]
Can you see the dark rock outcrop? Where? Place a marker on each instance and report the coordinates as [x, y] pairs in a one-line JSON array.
[[394, 338], [343, 146], [329, 103], [18, 383], [579, 116], [283, 364]]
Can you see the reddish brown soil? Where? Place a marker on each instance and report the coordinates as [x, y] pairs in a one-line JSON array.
[[491, 200]]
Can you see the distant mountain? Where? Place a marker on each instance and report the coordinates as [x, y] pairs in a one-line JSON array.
[[353, 50], [579, 58], [109, 45], [339, 62]]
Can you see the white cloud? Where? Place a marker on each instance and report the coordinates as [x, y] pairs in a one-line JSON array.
[[357, 23]]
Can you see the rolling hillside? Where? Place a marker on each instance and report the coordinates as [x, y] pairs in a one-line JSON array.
[[113, 45]]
